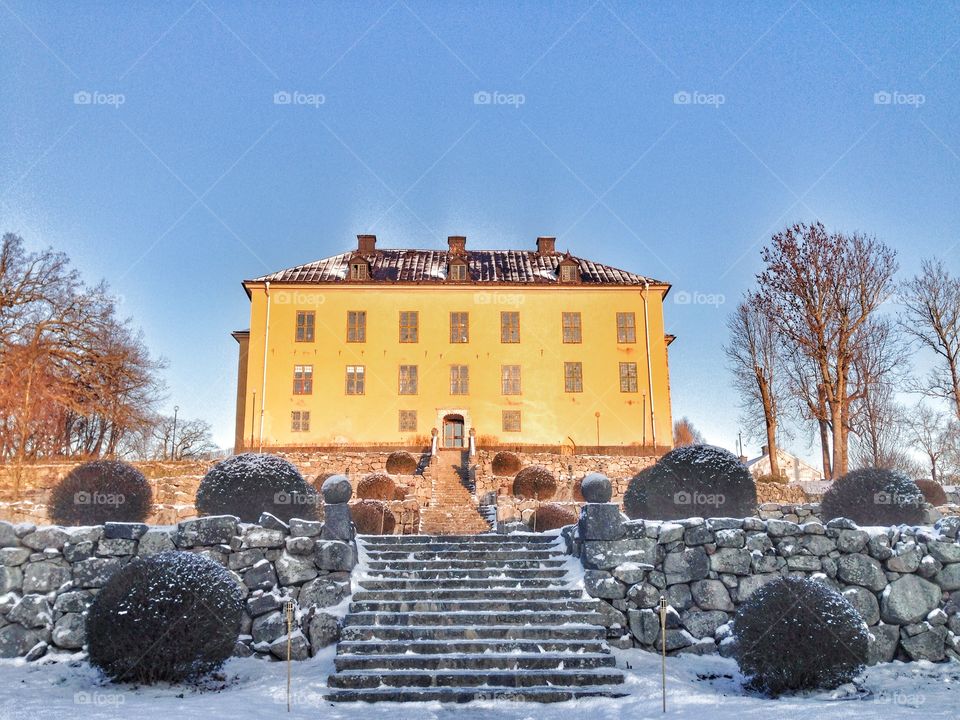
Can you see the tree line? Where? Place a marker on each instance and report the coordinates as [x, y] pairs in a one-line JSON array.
[[77, 380], [815, 346]]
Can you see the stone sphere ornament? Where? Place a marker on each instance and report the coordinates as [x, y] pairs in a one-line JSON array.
[[596, 488], [336, 490]]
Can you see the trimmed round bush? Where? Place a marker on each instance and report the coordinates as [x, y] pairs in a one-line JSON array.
[[551, 517], [376, 486], [401, 462], [873, 496], [505, 463], [933, 492], [535, 482], [250, 484], [373, 517], [692, 481], [101, 491], [798, 634], [169, 617]]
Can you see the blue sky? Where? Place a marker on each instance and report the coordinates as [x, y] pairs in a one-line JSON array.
[[668, 139]]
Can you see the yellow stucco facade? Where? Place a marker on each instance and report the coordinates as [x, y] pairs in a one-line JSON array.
[[510, 362]]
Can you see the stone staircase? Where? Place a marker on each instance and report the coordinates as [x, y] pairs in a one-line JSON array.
[[452, 508], [460, 618]]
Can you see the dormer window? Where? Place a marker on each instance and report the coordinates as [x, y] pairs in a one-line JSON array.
[[569, 271], [359, 270], [457, 272]]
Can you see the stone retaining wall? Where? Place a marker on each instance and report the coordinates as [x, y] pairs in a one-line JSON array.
[[566, 468], [48, 577], [905, 581]]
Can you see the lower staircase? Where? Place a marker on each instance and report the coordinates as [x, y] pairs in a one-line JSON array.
[[468, 617], [452, 508]]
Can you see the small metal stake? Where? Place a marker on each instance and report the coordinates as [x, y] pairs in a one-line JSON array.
[[288, 606], [663, 645]]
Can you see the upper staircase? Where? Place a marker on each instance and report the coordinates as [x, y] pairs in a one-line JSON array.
[[452, 508], [459, 618]]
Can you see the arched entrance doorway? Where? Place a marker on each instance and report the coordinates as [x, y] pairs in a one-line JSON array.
[[453, 431]]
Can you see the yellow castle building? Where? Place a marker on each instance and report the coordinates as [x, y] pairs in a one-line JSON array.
[[533, 350]]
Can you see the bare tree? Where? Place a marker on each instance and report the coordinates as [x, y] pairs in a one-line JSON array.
[[876, 419], [74, 379], [937, 438], [684, 433], [820, 289], [932, 318], [754, 355], [193, 439]]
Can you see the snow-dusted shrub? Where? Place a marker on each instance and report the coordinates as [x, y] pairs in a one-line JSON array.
[[873, 496], [376, 486], [551, 517], [165, 618], [505, 463], [101, 491], [401, 462], [933, 492], [798, 634], [250, 484], [692, 481], [535, 482], [373, 517]]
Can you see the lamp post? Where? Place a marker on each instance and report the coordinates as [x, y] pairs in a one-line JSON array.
[[597, 415], [173, 435]]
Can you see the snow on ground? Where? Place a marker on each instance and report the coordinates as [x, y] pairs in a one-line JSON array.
[[697, 687]]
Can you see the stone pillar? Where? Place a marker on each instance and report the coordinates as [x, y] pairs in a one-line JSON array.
[[337, 523], [600, 519]]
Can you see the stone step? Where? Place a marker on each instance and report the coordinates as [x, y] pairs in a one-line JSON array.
[[544, 694], [431, 565], [445, 547], [489, 605], [481, 661], [455, 646], [458, 556], [519, 538], [461, 594], [491, 632], [471, 678], [401, 582], [539, 617]]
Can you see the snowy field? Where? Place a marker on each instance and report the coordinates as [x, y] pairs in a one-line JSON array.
[[706, 688]]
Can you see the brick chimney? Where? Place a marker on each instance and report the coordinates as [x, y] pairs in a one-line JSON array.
[[457, 244], [546, 245], [366, 243]]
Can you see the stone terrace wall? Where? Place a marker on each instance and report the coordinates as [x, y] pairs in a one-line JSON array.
[[49, 576], [24, 491], [904, 581], [566, 468]]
